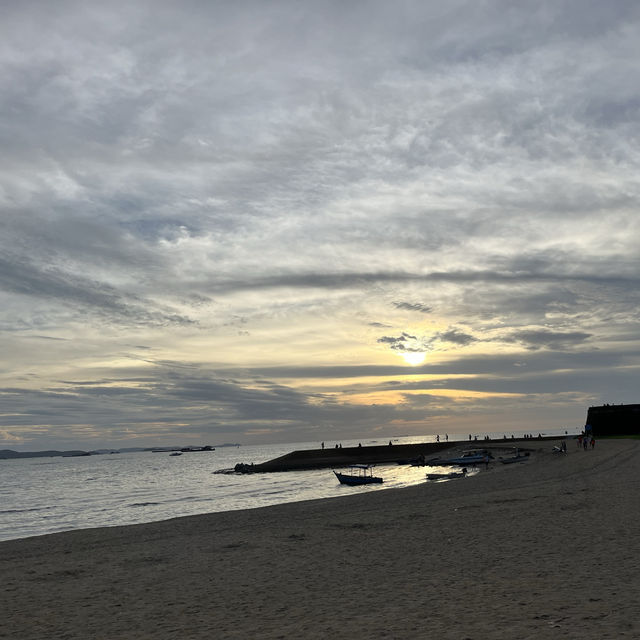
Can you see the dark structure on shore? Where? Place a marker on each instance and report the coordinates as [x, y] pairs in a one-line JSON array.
[[614, 420]]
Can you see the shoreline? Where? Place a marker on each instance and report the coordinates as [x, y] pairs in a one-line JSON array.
[[546, 549]]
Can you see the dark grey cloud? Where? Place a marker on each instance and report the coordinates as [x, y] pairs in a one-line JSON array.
[[25, 279], [405, 342], [317, 280], [457, 337], [413, 306], [490, 364], [536, 339]]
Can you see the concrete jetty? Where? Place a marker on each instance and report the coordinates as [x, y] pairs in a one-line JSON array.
[[341, 457], [380, 454]]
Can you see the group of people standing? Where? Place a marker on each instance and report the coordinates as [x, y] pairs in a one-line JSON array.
[[585, 441]]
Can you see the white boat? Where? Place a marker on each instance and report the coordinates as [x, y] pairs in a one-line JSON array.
[[474, 456]]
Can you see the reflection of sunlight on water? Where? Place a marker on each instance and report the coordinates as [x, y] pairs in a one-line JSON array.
[[406, 475], [443, 471]]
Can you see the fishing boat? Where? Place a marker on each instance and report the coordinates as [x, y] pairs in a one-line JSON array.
[[358, 474]]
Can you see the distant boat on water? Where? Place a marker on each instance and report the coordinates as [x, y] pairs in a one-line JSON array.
[[358, 474]]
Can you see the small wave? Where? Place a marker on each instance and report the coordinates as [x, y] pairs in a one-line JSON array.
[[25, 510], [276, 492], [144, 504]]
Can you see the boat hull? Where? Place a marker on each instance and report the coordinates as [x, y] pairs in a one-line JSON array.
[[445, 476], [464, 460], [351, 480]]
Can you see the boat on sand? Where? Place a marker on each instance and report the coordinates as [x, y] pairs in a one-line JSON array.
[[517, 457], [474, 456], [447, 476], [358, 474]]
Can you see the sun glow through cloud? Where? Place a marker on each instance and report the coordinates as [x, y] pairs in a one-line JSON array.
[[414, 357]]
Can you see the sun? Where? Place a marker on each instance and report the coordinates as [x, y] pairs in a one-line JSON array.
[[413, 357]]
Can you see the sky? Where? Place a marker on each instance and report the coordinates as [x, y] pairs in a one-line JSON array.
[[294, 221]]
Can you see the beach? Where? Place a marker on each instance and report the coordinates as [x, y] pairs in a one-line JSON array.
[[547, 548]]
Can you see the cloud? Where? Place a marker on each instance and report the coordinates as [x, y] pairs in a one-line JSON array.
[[536, 339], [258, 188], [25, 279], [457, 337], [406, 343], [415, 306]]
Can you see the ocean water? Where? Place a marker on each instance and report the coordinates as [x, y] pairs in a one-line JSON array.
[[48, 495]]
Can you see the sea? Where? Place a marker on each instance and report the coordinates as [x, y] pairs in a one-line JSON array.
[[48, 495]]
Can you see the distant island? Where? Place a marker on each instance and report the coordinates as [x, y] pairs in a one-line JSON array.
[[10, 454]]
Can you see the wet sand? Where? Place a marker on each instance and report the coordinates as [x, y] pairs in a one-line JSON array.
[[548, 548]]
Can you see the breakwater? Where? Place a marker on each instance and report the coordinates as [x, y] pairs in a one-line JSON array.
[[320, 458], [380, 454]]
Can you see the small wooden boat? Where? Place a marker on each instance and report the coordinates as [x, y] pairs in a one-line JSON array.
[[358, 474], [515, 459], [447, 476]]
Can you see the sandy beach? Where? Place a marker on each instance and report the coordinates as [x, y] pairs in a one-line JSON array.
[[548, 548]]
